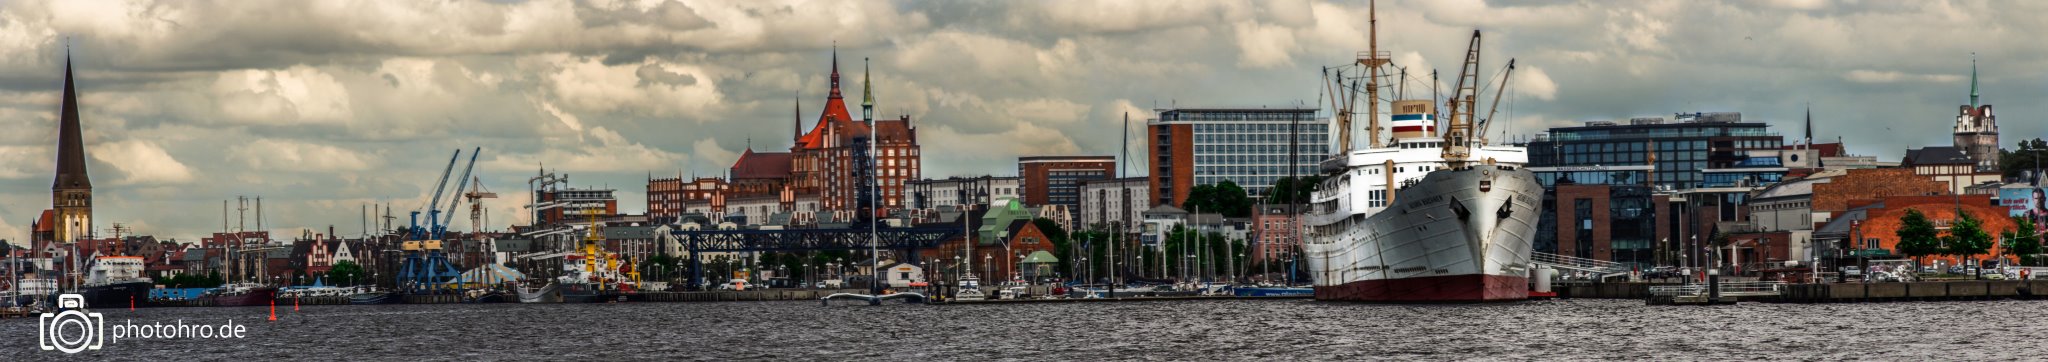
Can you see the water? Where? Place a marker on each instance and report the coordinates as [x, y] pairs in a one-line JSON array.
[[1151, 331]]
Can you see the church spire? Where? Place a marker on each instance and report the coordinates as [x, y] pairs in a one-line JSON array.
[[835, 71], [797, 132], [867, 91], [1973, 80], [1809, 125], [70, 144]]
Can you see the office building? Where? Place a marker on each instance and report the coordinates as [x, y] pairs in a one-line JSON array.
[[1249, 146], [1056, 180], [1678, 150]]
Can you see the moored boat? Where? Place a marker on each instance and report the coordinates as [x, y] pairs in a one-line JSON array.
[[240, 295], [1423, 216]]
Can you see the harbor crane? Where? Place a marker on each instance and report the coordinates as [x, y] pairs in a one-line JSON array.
[[426, 268]]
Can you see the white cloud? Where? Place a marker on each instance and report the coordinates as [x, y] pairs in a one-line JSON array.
[[282, 155], [1892, 76], [141, 162], [713, 154]]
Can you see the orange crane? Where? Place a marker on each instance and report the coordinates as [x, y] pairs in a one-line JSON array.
[[476, 209]]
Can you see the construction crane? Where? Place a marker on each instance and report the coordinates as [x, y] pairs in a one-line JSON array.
[[476, 206]]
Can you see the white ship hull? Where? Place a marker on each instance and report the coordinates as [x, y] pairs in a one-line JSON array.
[[1453, 235]]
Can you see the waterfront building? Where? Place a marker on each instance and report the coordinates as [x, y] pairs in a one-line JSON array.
[[1678, 150], [1247, 146], [1976, 129], [1951, 165], [1160, 221], [1274, 233], [975, 192], [1056, 180], [576, 204], [1115, 203], [1602, 212], [1870, 230]]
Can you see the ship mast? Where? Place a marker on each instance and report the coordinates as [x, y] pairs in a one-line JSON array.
[[1372, 60]]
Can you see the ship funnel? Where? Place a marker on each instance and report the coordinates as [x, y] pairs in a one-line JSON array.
[[1414, 118]]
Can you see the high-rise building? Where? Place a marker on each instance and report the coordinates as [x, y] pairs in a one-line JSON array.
[[71, 195], [1250, 147], [1056, 180], [577, 204], [1679, 150], [1976, 132]]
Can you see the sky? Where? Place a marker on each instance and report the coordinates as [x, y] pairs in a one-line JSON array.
[[323, 107]]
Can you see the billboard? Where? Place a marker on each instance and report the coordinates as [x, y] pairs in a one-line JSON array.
[[2027, 202]]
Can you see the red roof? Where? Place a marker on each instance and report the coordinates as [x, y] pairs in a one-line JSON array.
[[762, 165], [1826, 149], [48, 223]]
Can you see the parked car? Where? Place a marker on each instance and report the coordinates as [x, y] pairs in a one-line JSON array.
[[1852, 271]]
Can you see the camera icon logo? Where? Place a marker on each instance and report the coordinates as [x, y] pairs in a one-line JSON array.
[[71, 330]]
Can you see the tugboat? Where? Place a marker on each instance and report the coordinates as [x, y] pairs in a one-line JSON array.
[[116, 281], [589, 277]]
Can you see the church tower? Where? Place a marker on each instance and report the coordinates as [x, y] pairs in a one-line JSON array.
[[71, 196], [1976, 132]]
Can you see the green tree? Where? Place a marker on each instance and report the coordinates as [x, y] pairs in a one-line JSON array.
[[1917, 237], [1966, 237], [2024, 242], [1224, 197], [2026, 158], [1292, 190], [1061, 247]]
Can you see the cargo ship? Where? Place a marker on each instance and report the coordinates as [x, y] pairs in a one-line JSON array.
[[1422, 215], [116, 281]]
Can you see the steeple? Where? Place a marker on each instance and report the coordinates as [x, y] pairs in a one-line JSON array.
[[867, 94], [797, 133], [835, 71], [1973, 80], [1809, 125], [70, 144]]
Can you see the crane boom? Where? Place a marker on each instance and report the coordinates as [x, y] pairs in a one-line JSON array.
[[1505, 77], [443, 182], [1457, 139], [461, 185]]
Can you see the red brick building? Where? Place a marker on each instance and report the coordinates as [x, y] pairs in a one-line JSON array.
[[826, 168], [1056, 180], [1880, 229]]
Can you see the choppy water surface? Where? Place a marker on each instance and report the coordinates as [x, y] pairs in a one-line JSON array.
[[1183, 330]]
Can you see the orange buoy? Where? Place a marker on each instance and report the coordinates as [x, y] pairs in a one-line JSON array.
[[273, 310]]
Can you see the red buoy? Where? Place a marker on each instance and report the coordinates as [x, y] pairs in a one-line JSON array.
[[273, 310]]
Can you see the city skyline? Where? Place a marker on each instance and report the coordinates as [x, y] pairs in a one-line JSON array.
[[321, 110]]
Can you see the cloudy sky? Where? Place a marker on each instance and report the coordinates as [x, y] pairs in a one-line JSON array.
[[324, 106]]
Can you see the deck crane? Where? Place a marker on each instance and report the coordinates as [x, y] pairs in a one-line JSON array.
[[1458, 137], [476, 195], [1505, 76]]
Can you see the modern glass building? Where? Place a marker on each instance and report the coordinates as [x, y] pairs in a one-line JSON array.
[[1679, 150], [1249, 147]]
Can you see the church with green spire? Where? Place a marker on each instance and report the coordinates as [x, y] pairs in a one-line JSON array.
[[1976, 130]]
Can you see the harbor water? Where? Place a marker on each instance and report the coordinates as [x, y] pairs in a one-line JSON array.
[[1158, 331]]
